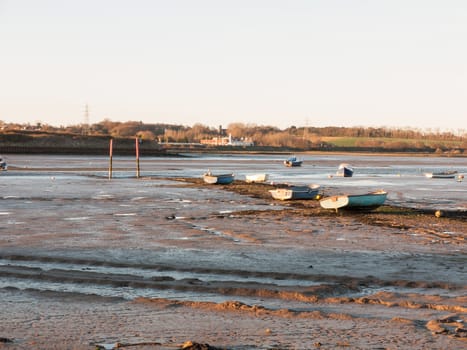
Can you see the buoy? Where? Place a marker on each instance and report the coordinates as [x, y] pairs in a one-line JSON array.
[[438, 213]]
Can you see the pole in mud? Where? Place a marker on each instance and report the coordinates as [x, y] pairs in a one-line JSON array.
[[110, 158], [137, 157]]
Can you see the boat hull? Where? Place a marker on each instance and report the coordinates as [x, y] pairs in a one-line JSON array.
[[255, 178], [442, 175], [223, 179], [368, 201], [334, 202], [292, 162], [295, 193], [344, 170]]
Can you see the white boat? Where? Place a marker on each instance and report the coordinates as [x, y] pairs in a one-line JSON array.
[[296, 192], [256, 178], [367, 201]]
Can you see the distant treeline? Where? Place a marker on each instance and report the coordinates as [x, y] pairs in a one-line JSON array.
[[303, 138]]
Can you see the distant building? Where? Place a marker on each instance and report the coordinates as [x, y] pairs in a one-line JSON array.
[[228, 141]]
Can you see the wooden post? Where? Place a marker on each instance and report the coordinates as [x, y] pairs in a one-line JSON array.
[[110, 158], [137, 157]]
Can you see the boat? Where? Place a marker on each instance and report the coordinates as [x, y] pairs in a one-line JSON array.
[[367, 201], [221, 179], [296, 192], [3, 164], [256, 178], [344, 170], [451, 174], [292, 161]]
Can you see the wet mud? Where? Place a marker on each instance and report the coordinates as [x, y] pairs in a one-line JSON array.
[[156, 262]]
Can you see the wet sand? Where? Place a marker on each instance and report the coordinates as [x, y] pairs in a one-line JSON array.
[[155, 262]]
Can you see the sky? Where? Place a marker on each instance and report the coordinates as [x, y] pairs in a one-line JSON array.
[[370, 63]]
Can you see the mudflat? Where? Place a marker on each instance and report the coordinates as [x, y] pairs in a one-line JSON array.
[[156, 263]]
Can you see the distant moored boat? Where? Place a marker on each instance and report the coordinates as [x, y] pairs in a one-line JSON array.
[[292, 161], [3, 164], [442, 174], [344, 170]]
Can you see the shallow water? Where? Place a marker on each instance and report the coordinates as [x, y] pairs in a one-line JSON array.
[[403, 177]]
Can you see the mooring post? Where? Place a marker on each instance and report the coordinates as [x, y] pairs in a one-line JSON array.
[[110, 158], [137, 157]]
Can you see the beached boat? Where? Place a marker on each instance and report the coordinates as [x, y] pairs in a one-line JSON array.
[[367, 201], [256, 177], [221, 179], [344, 170], [292, 161], [3, 164], [296, 192], [451, 174]]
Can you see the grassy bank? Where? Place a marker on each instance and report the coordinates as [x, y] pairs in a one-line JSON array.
[[53, 143]]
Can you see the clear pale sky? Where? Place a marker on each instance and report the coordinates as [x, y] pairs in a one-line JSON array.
[[390, 63]]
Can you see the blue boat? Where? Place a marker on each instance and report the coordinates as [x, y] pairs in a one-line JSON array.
[[367, 201], [292, 161], [221, 179]]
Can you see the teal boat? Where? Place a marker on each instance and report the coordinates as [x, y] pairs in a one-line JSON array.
[[367, 201]]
